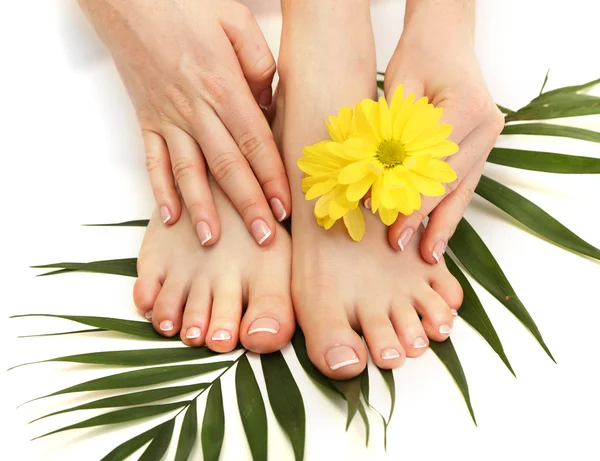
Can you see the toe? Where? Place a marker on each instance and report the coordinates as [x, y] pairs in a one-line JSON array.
[[222, 334], [146, 288], [437, 318], [381, 337], [409, 329], [197, 314], [168, 308], [449, 289]]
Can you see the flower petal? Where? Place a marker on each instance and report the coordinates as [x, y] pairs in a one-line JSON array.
[[354, 172], [385, 119], [388, 216], [404, 113], [424, 117], [356, 191], [427, 186], [376, 194], [322, 205], [403, 201], [339, 126], [320, 188], [358, 148], [355, 223], [437, 170], [429, 138], [397, 101], [362, 117], [443, 149]]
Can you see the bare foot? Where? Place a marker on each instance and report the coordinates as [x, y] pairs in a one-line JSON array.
[[199, 292], [340, 287]]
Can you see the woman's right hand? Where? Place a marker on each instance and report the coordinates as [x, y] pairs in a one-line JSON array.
[[197, 71]]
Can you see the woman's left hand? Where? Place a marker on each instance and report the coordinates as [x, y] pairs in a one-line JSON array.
[[435, 57]]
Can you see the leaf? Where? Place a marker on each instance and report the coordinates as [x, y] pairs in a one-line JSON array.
[[135, 223], [213, 426], [363, 414], [130, 446], [548, 129], [545, 81], [364, 387], [252, 409], [286, 400], [533, 217], [130, 327], [388, 377], [156, 450], [548, 162], [380, 84], [134, 398], [59, 271], [126, 266], [121, 416], [91, 330], [557, 105], [474, 314], [351, 389], [549, 95], [188, 433], [447, 354], [364, 384], [504, 110], [477, 259], [135, 358]]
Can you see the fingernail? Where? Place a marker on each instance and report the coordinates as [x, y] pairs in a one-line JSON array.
[[261, 231], [368, 203], [265, 98], [192, 333], [264, 324], [278, 209], [340, 356], [454, 312], [166, 325], [419, 343], [388, 354], [148, 314], [445, 329], [221, 335], [438, 250], [204, 233], [165, 214], [405, 237]]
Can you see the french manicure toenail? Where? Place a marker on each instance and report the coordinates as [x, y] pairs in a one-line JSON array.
[[419, 343], [278, 209], [340, 356], [388, 354], [221, 335], [165, 214], [454, 312], [204, 233], [148, 314], [405, 237], [264, 325], [368, 203], [193, 333], [438, 250], [166, 325], [445, 329], [261, 231]]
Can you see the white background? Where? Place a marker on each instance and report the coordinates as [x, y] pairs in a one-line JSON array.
[[71, 154]]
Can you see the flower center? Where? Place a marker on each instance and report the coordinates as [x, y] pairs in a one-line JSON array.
[[390, 153]]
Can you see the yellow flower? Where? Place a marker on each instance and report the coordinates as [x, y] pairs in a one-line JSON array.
[[395, 151]]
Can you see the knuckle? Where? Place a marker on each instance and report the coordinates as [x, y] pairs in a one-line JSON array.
[[478, 104], [264, 68], [246, 206], [180, 100], [465, 193], [154, 161], [251, 146], [182, 169], [216, 89], [224, 165], [419, 214]]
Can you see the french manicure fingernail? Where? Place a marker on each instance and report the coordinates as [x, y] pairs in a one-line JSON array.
[[368, 203], [165, 214], [221, 335], [278, 209], [454, 312], [148, 314], [204, 233], [388, 354], [261, 231], [264, 325], [438, 250], [166, 325], [265, 98], [340, 356], [419, 343], [445, 329], [193, 333], [405, 237]]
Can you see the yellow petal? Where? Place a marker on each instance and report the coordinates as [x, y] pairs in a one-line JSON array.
[[387, 216], [403, 201], [443, 149], [322, 205], [426, 186], [385, 119], [339, 205], [403, 115], [412, 196], [387, 200], [321, 188], [354, 172], [355, 223], [328, 222], [358, 148], [437, 170], [376, 194], [397, 101], [356, 191], [429, 138], [424, 117], [339, 126], [362, 114]]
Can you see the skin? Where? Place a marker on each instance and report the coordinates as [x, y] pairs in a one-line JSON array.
[[196, 71]]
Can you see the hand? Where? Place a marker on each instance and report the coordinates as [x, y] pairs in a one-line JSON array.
[[196, 71], [435, 58]]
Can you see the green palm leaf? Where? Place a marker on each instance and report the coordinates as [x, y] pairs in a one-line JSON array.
[[188, 434], [158, 447], [351, 390], [547, 129], [213, 425], [363, 414], [130, 446], [125, 266], [91, 330], [388, 378], [135, 223], [548, 162]]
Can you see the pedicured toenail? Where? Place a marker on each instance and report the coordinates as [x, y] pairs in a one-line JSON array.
[[165, 214], [221, 335], [419, 343], [405, 237], [277, 208], [264, 325], [438, 250], [261, 231], [148, 314], [389, 354], [166, 325], [204, 233], [445, 329], [193, 333], [340, 356], [454, 312]]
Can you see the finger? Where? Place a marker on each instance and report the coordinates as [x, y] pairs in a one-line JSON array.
[[231, 170], [189, 171], [252, 50], [158, 165]]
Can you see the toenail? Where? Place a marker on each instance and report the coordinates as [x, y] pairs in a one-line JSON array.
[[204, 233], [221, 335], [340, 356], [388, 354], [264, 324], [166, 325], [277, 208], [438, 250], [419, 343], [405, 237], [368, 203], [261, 231], [165, 214], [454, 312], [148, 314], [445, 329], [193, 333]]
